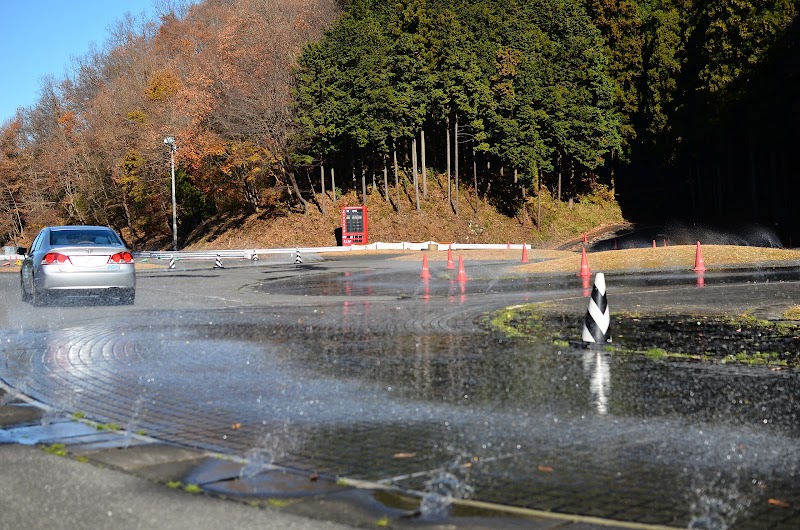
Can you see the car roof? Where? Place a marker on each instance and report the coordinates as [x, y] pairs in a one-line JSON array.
[[77, 227]]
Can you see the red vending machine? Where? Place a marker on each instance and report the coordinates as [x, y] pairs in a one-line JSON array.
[[354, 225]]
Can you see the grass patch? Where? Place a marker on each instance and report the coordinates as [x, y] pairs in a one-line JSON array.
[[740, 339], [656, 353], [192, 488], [757, 359], [108, 427], [522, 321], [793, 313], [675, 257], [56, 449]]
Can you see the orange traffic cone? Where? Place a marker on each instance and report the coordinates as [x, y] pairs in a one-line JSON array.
[[450, 264], [462, 274], [524, 253], [585, 281], [654, 243], [584, 265], [699, 263], [426, 274]]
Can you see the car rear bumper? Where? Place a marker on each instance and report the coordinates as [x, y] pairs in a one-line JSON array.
[[120, 276]]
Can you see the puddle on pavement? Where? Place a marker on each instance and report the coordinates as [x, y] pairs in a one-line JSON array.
[[39, 434], [399, 392], [274, 483], [484, 280]]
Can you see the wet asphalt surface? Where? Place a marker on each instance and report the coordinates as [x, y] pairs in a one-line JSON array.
[[353, 367]]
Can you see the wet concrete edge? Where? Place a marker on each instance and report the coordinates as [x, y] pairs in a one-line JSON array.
[[340, 500]]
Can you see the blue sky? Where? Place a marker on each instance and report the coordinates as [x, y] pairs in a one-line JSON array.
[[40, 37]]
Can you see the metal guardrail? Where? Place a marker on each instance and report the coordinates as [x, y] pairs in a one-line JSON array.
[[248, 253], [190, 255], [210, 255]]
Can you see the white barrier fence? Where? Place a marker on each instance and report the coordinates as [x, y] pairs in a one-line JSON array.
[[249, 253]]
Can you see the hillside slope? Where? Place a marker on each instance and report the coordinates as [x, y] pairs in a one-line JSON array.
[[477, 222]]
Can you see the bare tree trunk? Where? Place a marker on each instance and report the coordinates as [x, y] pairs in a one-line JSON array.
[[524, 207], [296, 188], [539, 201], [614, 161], [311, 185], [475, 176], [571, 180], [333, 186], [396, 176], [489, 180], [559, 177], [455, 161], [353, 176], [447, 128], [322, 180], [385, 179], [516, 181], [414, 170], [16, 220], [363, 186], [424, 167]]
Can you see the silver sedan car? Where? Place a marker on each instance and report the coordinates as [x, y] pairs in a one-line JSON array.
[[77, 260]]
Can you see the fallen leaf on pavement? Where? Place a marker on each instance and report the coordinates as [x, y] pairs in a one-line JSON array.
[[779, 503]]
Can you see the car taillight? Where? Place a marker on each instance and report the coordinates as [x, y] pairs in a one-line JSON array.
[[121, 257], [55, 258]]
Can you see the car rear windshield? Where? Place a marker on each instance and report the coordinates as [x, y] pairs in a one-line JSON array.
[[83, 237]]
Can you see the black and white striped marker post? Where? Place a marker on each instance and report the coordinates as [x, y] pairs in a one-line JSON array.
[[254, 255], [598, 318], [172, 262], [218, 262], [297, 259]]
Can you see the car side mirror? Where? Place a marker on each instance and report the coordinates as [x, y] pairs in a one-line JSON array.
[[22, 251]]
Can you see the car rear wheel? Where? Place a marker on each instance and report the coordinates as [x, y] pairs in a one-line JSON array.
[[127, 297], [38, 299], [25, 296]]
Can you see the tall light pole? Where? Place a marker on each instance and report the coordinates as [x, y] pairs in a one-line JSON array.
[[170, 141]]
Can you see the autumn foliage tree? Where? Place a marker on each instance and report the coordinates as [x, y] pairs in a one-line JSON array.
[[659, 98], [214, 75]]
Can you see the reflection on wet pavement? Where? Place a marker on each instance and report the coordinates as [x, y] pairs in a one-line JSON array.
[[401, 384]]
